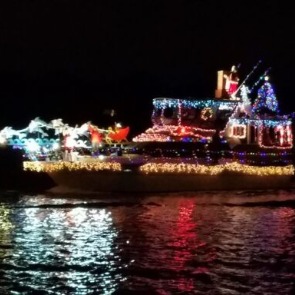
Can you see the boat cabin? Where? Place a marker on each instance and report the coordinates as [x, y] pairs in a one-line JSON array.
[[233, 113]]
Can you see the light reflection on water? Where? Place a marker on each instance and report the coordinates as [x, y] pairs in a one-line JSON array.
[[60, 250], [222, 243]]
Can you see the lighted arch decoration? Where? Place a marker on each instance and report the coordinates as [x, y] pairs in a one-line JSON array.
[[17, 142], [10, 141]]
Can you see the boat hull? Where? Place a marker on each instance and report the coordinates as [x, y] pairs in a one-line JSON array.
[[98, 181]]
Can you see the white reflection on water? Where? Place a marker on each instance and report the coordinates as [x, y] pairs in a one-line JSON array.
[[238, 243], [73, 247]]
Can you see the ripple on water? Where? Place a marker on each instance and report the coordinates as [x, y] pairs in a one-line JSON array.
[[204, 243]]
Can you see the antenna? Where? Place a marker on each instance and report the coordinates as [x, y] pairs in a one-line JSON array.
[[260, 78], [247, 77]]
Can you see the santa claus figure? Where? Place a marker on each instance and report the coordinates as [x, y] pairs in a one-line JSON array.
[[231, 82]]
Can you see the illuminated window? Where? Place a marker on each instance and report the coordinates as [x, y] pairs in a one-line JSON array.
[[239, 131]]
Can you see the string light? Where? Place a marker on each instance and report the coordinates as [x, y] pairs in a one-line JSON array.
[[42, 166], [168, 167], [163, 103], [190, 120]]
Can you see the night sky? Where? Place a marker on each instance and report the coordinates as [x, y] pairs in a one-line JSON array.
[[75, 59]]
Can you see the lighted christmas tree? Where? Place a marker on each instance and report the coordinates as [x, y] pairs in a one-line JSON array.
[[266, 101]]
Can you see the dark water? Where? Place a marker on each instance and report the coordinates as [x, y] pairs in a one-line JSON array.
[[198, 243]]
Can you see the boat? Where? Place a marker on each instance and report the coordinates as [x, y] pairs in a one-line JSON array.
[[229, 142], [171, 175]]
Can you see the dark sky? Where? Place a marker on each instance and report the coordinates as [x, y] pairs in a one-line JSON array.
[[73, 59]]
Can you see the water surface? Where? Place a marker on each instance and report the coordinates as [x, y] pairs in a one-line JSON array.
[[192, 243]]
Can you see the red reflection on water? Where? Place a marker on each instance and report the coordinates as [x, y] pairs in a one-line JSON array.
[[185, 244], [283, 231]]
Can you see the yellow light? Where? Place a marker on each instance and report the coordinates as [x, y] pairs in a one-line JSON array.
[[233, 167], [71, 166], [181, 168]]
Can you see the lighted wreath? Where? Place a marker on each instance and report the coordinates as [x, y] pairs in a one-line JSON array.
[[206, 113]]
